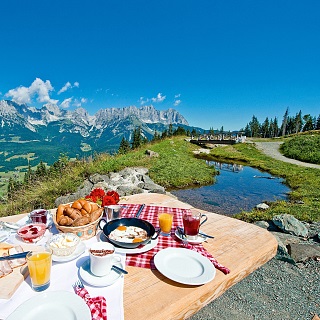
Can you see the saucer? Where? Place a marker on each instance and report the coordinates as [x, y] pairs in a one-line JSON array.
[[198, 240], [81, 247], [95, 281]]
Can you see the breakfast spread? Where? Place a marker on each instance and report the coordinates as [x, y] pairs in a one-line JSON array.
[[128, 234], [80, 213], [7, 266]]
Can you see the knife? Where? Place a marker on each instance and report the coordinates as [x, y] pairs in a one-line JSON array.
[[140, 210], [15, 256]]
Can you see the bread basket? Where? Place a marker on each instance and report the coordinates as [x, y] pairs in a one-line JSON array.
[[83, 232]]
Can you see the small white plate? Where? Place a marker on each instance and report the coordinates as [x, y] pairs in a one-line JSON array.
[[101, 237], [81, 247], [198, 240], [184, 266], [51, 306], [95, 281]]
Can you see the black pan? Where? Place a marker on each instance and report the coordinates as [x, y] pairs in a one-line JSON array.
[[108, 227]]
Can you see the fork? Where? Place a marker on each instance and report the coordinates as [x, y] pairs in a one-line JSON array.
[[78, 284]]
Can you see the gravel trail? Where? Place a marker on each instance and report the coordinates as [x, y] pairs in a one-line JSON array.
[[271, 149], [277, 290]]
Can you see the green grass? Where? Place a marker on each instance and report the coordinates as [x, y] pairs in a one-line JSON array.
[[303, 147]]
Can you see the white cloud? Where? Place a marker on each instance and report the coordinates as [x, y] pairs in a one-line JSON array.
[[65, 87], [38, 88], [78, 103], [68, 86], [66, 103], [177, 95], [177, 102], [159, 98], [143, 100]]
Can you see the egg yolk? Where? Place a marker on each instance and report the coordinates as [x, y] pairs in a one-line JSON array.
[[136, 240], [122, 228]]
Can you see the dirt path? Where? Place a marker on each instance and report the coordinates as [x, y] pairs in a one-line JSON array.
[[271, 149]]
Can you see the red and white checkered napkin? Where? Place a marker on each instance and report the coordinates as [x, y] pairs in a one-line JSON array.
[[205, 253], [97, 305], [150, 213]]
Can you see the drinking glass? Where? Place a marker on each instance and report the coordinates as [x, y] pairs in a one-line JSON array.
[[39, 264], [192, 222], [165, 222], [38, 216], [112, 212]]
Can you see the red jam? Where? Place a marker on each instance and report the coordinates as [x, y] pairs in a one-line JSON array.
[[32, 232]]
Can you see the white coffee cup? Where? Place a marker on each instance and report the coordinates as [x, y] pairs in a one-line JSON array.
[[102, 257]]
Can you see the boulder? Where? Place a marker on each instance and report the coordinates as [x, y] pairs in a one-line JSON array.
[[289, 224], [262, 206], [303, 252]]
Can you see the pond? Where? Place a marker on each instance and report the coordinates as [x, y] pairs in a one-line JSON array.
[[237, 188]]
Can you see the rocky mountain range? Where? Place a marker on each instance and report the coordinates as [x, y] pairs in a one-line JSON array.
[[47, 132]]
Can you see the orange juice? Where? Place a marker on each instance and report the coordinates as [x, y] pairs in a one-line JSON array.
[[165, 222], [39, 264]]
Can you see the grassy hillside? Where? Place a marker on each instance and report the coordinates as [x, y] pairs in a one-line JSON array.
[[175, 167]]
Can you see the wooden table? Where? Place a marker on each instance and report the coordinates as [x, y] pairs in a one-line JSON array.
[[240, 246]]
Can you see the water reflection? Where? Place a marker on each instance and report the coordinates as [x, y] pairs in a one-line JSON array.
[[237, 188]]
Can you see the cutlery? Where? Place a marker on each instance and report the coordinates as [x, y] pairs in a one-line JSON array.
[[15, 256], [119, 270], [140, 210], [206, 235], [181, 232]]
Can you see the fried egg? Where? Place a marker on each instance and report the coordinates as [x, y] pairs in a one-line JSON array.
[[128, 234]]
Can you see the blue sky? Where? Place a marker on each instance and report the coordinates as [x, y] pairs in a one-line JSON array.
[[216, 62]]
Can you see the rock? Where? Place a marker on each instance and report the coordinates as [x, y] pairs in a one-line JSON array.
[[152, 154], [303, 252], [262, 206], [290, 224], [262, 224], [126, 182]]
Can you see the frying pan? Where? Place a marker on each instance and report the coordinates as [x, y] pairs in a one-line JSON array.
[[108, 227]]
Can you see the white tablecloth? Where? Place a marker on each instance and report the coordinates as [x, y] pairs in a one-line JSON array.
[[63, 276]]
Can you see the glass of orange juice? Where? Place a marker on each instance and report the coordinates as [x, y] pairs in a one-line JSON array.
[[165, 222], [39, 264]]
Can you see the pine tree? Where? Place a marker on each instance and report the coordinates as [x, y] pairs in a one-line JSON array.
[[298, 121], [124, 146], [137, 138], [318, 123], [284, 122]]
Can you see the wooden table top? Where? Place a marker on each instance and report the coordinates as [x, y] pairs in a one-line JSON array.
[[240, 246]]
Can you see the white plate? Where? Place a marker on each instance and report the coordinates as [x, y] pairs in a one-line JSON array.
[[51, 306], [95, 281], [184, 266], [198, 240], [81, 247], [101, 237]]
